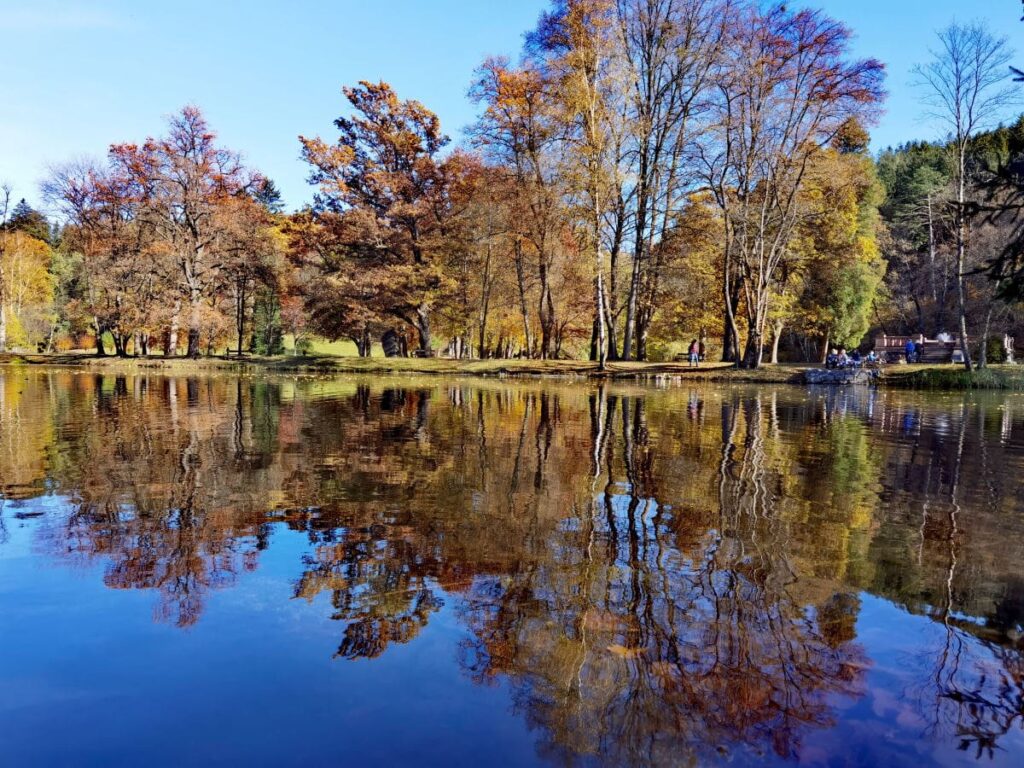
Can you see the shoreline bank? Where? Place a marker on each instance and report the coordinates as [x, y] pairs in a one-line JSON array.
[[328, 365], [931, 377]]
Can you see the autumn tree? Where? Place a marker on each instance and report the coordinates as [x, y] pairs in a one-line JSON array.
[[473, 254], [117, 282], [28, 289], [687, 301], [673, 48], [253, 260], [160, 226], [576, 43], [185, 180], [835, 266], [378, 211], [784, 89], [520, 130]]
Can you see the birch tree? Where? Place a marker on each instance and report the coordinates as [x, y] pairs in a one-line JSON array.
[[965, 86]]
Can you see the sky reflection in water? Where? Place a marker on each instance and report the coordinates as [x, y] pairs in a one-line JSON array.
[[444, 572]]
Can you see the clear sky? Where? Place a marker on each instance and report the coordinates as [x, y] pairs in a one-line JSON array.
[[81, 74]]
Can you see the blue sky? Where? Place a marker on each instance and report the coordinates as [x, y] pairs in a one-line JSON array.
[[80, 75]]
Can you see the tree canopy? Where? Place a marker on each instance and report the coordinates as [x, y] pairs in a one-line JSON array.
[[640, 176]]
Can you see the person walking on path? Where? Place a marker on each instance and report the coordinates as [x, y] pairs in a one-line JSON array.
[[694, 354]]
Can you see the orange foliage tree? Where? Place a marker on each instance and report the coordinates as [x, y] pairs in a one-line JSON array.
[[372, 232]]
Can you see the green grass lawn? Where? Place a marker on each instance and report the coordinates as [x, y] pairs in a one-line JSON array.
[[339, 348]]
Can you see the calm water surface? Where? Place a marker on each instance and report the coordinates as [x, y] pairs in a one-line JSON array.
[[441, 572]]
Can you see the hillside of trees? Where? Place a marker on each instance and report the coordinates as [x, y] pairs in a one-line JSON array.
[[647, 172]]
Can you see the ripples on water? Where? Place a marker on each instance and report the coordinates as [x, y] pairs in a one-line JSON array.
[[451, 572]]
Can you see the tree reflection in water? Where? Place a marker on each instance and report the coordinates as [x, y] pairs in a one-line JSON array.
[[655, 573]]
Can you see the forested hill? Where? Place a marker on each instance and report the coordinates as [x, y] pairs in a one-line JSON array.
[[919, 212]]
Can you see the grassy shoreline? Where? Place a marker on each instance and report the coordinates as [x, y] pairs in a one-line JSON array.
[[940, 377], [955, 377]]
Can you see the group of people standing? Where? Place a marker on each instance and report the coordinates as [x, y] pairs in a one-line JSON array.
[[841, 359]]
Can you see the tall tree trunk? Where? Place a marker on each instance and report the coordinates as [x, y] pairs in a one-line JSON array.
[[609, 324], [240, 299], [521, 281], [777, 334], [599, 317], [171, 342], [931, 269], [100, 350], [612, 303], [485, 304], [50, 337], [194, 325], [634, 282], [193, 349], [757, 320], [729, 344], [754, 349], [731, 340], [961, 249], [643, 327], [423, 326], [602, 325], [920, 314], [595, 236], [3, 280], [546, 311]]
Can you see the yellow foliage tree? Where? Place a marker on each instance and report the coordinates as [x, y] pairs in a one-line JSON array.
[[27, 299], [837, 264]]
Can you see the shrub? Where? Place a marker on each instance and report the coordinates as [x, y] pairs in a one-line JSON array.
[[303, 346], [995, 352]]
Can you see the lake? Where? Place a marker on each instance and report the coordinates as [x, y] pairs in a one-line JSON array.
[[380, 571]]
